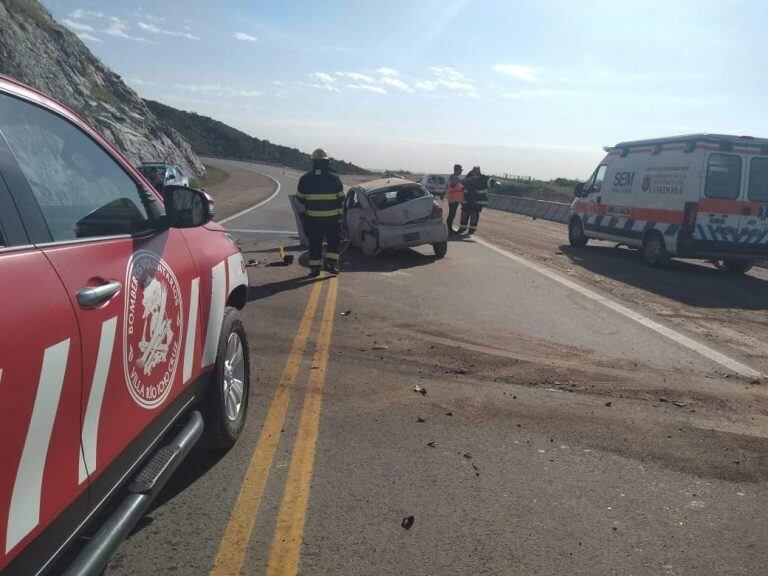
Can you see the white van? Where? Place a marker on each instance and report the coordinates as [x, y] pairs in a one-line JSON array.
[[699, 196], [435, 183]]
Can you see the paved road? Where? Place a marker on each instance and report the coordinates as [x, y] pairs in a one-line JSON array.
[[548, 442]]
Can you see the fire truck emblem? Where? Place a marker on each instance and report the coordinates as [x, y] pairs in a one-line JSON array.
[[152, 329]]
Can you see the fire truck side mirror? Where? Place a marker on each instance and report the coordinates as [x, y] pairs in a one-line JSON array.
[[187, 207]]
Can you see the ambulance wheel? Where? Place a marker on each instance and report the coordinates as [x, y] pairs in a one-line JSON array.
[[440, 248], [654, 250], [226, 404], [737, 267], [576, 236]]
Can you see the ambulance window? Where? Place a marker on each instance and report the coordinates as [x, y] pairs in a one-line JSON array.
[[758, 179], [599, 177], [723, 176], [81, 190]]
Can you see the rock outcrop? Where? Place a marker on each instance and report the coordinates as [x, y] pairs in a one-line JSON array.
[[45, 55]]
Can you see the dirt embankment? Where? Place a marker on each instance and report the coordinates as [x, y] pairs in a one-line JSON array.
[[239, 189], [730, 311]]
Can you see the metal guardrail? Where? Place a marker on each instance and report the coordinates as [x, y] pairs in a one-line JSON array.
[[541, 209]]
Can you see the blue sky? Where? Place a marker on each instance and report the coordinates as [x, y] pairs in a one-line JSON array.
[[529, 88]]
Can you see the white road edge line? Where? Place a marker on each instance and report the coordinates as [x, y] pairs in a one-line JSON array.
[[702, 349], [242, 212]]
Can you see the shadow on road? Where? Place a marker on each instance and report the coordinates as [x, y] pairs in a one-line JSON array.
[[354, 260], [687, 282], [267, 290]]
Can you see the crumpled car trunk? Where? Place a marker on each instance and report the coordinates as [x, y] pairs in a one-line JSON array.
[[407, 212]]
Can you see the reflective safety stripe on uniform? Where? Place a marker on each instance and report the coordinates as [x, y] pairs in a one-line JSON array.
[[313, 197], [315, 262], [95, 398], [24, 511], [332, 255], [323, 213]]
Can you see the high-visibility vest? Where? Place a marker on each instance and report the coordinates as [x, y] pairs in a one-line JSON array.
[[455, 193]]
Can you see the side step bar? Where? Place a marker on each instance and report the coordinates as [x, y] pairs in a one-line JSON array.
[[141, 492]]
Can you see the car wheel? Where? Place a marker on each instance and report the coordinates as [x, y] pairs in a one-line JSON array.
[[654, 250], [576, 236], [737, 267], [226, 403], [440, 248]]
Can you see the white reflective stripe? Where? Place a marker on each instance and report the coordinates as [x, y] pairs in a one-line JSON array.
[[96, 397], [189, 343], [236, 272], [215, 313], [24, 512]]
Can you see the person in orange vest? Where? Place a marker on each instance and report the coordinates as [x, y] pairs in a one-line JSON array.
[[455, 192]]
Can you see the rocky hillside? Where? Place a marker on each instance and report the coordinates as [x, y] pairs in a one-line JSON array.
[[41, 53], [210, 137]]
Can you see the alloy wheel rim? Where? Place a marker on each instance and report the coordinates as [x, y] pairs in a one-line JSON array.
[[234, 377]]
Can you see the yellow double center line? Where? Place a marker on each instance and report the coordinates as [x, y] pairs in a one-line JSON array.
[[286, 546]]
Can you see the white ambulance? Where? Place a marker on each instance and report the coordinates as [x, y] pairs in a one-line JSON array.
[[700, 196]]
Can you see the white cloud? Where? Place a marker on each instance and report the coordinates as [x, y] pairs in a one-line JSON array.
[[388, 72], [446, 72], [369, 88], [456, 86], [322, 77], [119, 29], [149, 27], [77, 26], [245, 37], [82, 14], [155, 30], [328, 87], [523, 94], [519, 71], [426, 85], [88, 37], [140, 82], [396, 83], [218, 89], [357, 77]]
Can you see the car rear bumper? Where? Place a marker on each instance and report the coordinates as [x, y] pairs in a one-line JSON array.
[[430, 232]]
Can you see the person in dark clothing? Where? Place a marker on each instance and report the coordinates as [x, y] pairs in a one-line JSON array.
[[322, 194], [475, 198]]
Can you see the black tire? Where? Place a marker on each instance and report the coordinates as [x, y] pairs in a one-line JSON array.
[[221, 430], [737, 267], [576, 236], [654, 250], [440, 248]]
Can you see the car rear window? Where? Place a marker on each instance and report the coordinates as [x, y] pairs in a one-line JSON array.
[[758, 179], [393, 197], [723, 176]]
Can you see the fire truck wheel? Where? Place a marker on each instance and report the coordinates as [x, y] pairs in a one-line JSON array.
[[226, 403]]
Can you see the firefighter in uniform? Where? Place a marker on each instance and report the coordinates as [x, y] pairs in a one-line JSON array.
[[322, 194], [475, 199]]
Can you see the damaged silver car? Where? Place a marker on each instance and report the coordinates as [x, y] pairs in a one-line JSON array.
[[391, 214]]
